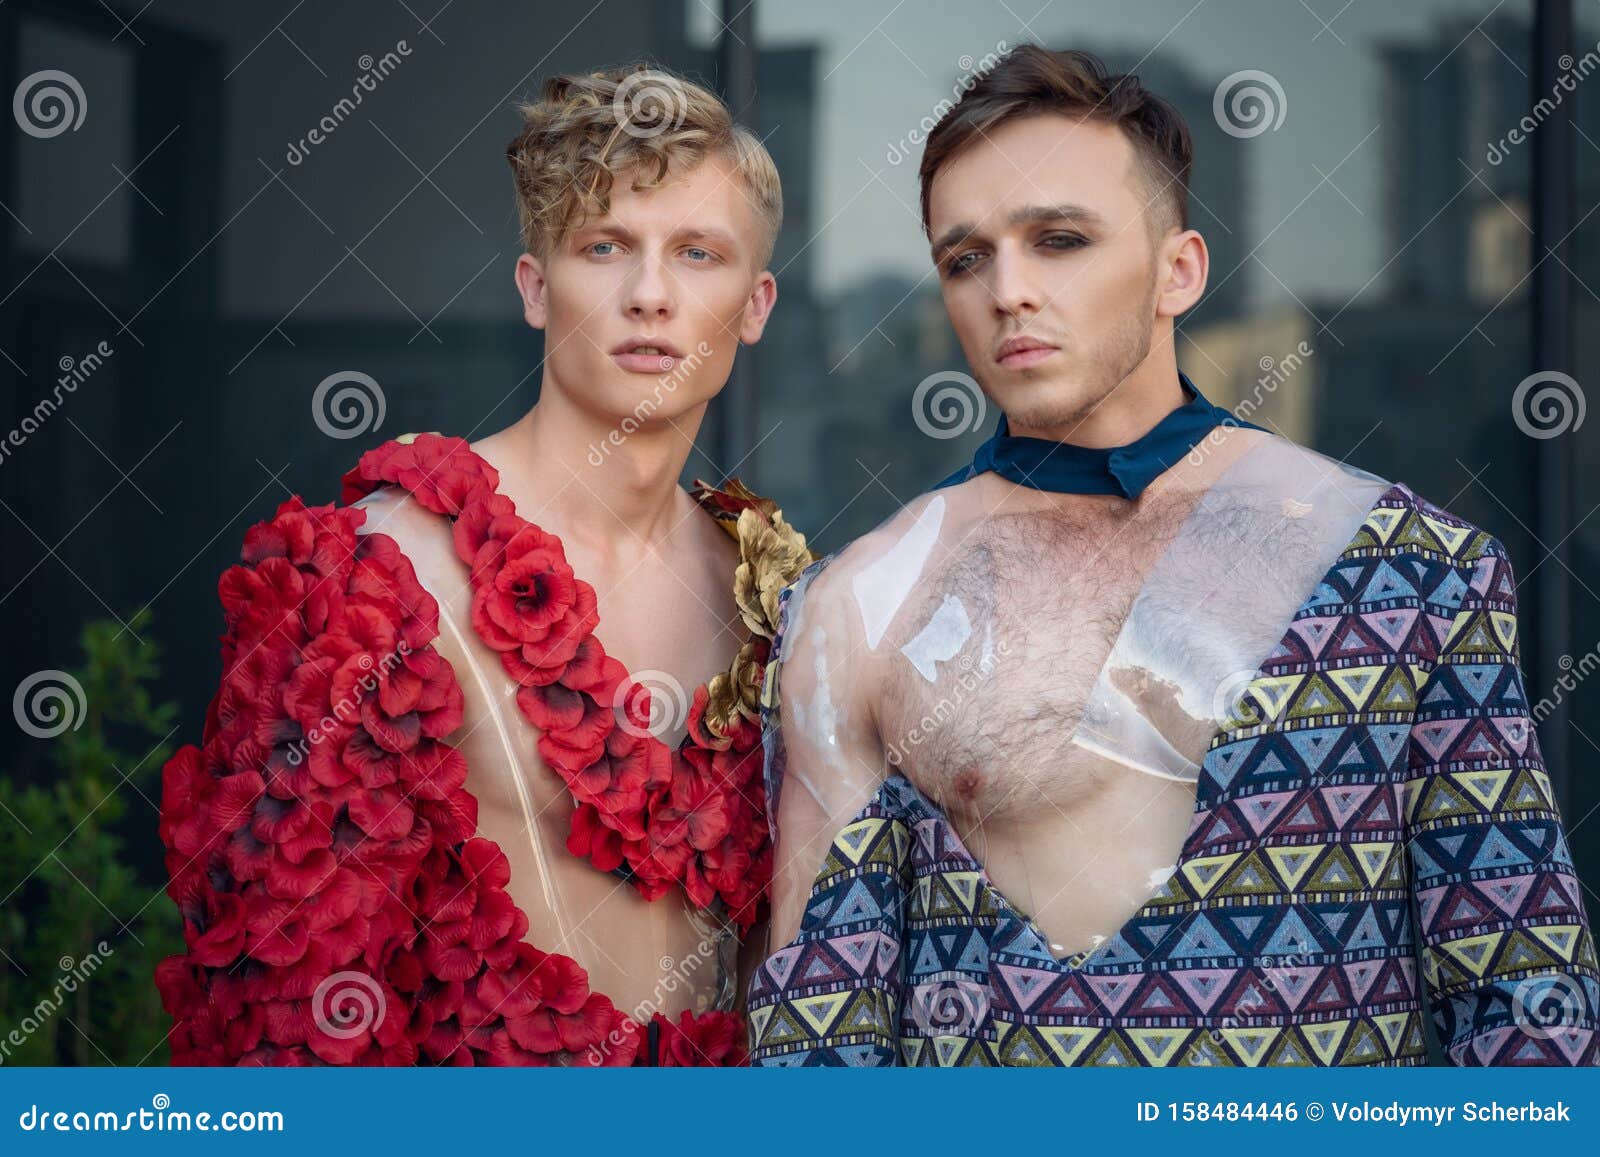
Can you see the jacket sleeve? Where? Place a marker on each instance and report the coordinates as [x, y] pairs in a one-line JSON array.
[[829, 989], [1506, 950]]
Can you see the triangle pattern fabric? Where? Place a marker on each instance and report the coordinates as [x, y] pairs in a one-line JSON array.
[[1382, 848]]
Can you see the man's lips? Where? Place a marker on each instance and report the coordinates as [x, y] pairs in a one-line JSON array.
[[645, 355], [1020, 353]]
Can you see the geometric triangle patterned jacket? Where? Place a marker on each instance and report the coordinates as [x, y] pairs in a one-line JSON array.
[[1380, 842]]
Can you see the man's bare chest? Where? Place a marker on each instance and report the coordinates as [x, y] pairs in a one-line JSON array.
[[987, 669]]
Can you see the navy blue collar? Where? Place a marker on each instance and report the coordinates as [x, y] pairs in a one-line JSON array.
[[1126, 470]]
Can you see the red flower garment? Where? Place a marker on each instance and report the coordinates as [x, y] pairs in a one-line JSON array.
[[322, 832]]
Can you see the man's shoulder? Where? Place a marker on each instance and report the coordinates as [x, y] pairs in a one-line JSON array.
[[1399, 521], [390, 517], [393, 511], [894, 550], [1403, 521]]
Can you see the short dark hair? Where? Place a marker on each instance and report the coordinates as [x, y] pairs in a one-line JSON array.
[[1029, 80]]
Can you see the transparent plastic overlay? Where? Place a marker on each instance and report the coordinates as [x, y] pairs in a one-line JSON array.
[[1049, 670]]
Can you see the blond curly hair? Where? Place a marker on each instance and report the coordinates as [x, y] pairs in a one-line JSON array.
[[587, 130]]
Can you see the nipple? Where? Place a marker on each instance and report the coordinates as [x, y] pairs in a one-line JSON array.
[[966, 784]]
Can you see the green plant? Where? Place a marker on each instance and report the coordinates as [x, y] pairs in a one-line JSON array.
[[80, 929]]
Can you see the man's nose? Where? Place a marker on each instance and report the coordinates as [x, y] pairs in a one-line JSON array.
[[1014, 290], [650, 292]]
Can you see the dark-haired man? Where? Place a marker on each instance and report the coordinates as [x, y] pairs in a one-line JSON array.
[[1151, 737]]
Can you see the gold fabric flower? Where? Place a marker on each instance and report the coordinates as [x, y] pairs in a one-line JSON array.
[[736, 691], [771, 556]]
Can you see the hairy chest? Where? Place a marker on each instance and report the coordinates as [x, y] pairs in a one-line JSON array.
[[1035, 659]]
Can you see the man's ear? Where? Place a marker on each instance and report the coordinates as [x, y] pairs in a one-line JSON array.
[[1188, 264], [531, 286], [763, 296]]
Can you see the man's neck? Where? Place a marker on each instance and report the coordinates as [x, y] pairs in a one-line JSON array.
[[592, 474], [1127, 413]]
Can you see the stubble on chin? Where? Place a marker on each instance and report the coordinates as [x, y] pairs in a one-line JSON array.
[[1073, 396], [1062, 405]]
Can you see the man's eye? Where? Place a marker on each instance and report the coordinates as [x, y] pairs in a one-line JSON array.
[[600, 245], [1064, 241], [960, 263], [697, 254]]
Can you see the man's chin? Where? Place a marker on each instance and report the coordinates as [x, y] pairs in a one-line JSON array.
[[1044, 408], [655, 398]]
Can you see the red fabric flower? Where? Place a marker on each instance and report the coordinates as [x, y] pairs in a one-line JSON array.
[[592, 840], [442, 473], [712, 1038]]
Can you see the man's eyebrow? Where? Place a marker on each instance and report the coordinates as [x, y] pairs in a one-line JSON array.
[[1027, 214], [1066, 211], [952, 237], [701, 233], [606, 225]]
